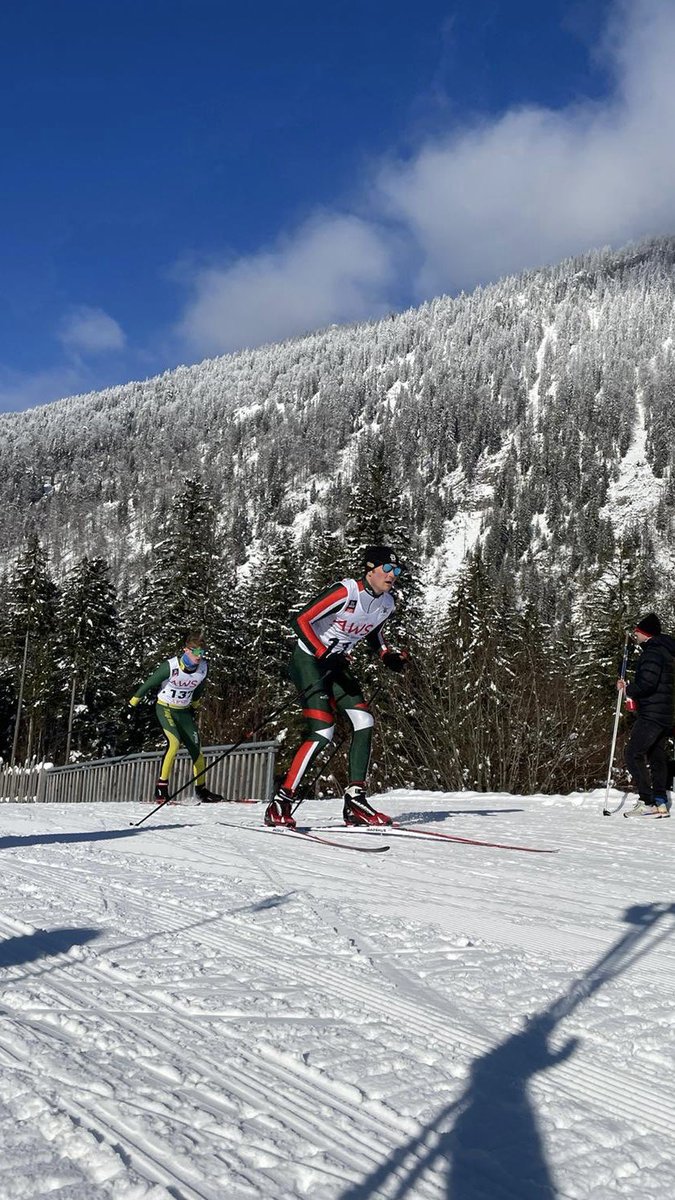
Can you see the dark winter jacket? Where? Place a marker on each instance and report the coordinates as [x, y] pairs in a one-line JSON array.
[[654, 684]]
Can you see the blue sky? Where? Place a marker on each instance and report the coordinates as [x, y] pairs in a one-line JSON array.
[[181, 178]]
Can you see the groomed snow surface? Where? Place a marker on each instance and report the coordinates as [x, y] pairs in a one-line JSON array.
[[198, 1008]]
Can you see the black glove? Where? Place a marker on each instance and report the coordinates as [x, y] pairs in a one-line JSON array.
[[395, 661], [332, 652]]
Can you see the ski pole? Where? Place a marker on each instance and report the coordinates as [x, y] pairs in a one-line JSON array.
[[304, 695], [617, 714]]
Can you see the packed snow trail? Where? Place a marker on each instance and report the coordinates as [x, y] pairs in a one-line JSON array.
[[189, 1010]]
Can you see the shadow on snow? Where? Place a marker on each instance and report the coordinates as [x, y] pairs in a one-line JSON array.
[[488, 1144], [98, 835], [430, 818], [44, 943]]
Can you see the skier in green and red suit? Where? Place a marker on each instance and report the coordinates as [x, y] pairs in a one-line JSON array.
[[328, 629], [179, 683]]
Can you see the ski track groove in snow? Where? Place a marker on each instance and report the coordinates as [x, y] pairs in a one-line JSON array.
[[163, 1065], [615, 1093], [247, 1082]]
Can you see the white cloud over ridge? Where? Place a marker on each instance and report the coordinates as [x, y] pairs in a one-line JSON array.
[[526, 188], [534, 185], [88, 330], [335, 268]]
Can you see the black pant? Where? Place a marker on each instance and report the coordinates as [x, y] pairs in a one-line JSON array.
[[647, 759]]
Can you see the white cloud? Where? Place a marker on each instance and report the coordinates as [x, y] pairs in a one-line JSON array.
[[535, 185], [334, 268], [88, 330], [497, 196]]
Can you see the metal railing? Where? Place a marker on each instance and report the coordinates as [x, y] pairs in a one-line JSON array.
[[247, 772]]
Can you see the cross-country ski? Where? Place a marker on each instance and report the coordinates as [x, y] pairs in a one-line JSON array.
[[417, 833], [309, 833]]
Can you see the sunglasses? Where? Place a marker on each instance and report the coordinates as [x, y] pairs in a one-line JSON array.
[[196, 651], [388, 567]]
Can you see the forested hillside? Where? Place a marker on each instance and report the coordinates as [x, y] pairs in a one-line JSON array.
[[514, 443]]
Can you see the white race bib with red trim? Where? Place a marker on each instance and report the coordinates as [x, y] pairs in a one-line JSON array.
[[177, 691], [345, 618]]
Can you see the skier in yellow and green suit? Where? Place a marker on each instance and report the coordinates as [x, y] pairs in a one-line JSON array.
[[180, 682]]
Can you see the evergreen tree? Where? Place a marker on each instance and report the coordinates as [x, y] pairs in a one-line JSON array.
[[374, 512], [184, 576], [268, 600], [89, 657], [33, 605]]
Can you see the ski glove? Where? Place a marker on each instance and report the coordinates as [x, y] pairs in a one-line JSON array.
[[395, 660]]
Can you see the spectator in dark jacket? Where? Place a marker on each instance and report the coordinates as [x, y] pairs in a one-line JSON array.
[[653, 690]]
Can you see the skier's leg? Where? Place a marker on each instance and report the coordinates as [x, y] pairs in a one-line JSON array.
[[317, 710], [657, 757], [642, 738], [165, 717], [361, 720], [189, 736], [351, 703]]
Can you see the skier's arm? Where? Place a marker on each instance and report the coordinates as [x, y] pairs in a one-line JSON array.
[[646, 678], [330, 601], [196, 701], [375, 641], [153, 681], [395, 660]]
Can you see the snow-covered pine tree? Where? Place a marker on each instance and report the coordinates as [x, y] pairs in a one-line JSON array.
[[88, 659], [33, 605], [267, 601], [184, 577]]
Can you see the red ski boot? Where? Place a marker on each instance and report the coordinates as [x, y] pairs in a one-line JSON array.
[[161, 792], [279, 811], [357, 810]]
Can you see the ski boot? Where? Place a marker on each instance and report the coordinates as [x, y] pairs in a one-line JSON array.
[[205, 796], [161, 791], [279, 811], [357, 810]]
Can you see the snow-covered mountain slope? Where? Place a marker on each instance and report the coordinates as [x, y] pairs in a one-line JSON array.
[[200, 1008], [534, 413]]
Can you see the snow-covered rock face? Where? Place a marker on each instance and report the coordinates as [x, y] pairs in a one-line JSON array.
[[208, 1009], [533, 412]]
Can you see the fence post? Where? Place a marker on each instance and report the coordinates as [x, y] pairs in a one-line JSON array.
[[41, 789]]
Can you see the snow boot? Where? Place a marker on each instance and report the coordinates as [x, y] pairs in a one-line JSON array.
[[357, 810], [279, 811], [205, 796], [643, 807], [661, 808]]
